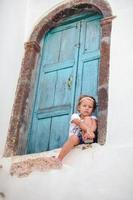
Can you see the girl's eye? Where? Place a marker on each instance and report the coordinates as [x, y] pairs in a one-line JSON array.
[[85, 106]]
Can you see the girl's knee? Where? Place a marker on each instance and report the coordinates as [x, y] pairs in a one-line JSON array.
[[87, 120]]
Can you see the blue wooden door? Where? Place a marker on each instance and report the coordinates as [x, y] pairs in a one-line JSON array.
[[69, 67], [89, 55]]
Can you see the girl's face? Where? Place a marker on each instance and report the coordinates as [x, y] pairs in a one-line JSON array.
[[86, 107]]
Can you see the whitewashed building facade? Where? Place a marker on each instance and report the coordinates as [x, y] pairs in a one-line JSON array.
[[100, 172]]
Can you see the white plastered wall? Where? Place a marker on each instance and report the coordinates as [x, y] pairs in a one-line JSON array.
[[120, 129], [12, 33]]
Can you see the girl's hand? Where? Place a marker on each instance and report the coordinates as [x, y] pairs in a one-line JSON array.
[[76, 121], [88, 136], [90, 133], [85, 136]]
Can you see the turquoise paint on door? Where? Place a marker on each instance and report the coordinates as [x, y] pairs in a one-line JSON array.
[[69, 68]]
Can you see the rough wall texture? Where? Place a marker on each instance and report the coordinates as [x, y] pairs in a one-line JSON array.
[[27, 166]]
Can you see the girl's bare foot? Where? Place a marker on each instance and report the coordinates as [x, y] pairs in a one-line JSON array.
[[57, 160]]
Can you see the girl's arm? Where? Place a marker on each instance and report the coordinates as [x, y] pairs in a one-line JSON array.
[[90, 133], [88, 126], [93, 125], [81, 124]]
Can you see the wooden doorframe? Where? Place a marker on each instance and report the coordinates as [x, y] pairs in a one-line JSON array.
[[20, 117]]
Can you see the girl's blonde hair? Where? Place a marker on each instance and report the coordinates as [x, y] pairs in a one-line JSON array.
[[89, 97]]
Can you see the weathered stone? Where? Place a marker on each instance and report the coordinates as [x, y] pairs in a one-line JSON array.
[[27, 166]]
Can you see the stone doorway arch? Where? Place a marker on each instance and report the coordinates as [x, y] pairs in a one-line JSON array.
[[18, 128]]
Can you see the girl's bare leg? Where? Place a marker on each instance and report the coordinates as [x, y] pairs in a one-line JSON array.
[[85, 137], [70, 143]]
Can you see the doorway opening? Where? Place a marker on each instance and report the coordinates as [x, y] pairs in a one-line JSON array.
[[21, 117]]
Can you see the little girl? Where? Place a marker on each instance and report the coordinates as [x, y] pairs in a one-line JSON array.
[[82, 125]]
